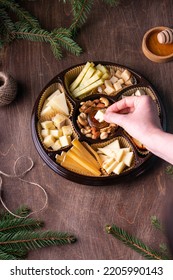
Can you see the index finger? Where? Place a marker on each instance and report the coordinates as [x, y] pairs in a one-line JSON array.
[[125, 103]]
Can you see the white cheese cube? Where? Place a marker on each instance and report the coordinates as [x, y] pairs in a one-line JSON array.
[[45, 132], [99, 116], [118, 74], [117, 86], [121, 81], [55, 133], [126, 75], [49, 141], [47, 125], [114, 79], [65, 140], [59, 120], [109, 87], [57, 145], [67, 130]]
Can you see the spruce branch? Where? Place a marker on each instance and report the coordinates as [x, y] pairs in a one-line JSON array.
[[135, 243], [21, 13], [17, 23], [18, 236], [81, 10]]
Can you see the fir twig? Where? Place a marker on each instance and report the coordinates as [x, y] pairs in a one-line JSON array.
[[81, 10], [135, 243], [18, 236]]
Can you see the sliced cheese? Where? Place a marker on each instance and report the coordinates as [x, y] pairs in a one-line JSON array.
[[88, 82], [56, 93], [84, 152], [59, 103], [127, 159], [119, 168], [89, 88], [84, 163], [81, 75], [70, 164]]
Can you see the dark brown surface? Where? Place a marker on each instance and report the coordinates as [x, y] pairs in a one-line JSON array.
[[111, 34]]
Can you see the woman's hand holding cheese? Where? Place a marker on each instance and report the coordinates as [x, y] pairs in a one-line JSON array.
[[139, 117]]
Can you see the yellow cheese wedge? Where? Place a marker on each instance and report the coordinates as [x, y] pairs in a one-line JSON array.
[[82, 157], [70, 164], [83, 162], [59, 158], [76, 143], [93, 152]]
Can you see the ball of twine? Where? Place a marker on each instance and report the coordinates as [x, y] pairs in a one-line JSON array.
[[8, 88]]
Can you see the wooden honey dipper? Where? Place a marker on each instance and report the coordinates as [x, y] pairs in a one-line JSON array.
[[165, 36]]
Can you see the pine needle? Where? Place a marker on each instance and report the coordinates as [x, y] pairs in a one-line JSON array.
[[134, 243]]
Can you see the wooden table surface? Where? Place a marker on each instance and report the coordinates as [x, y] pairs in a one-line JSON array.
[[110, 34]]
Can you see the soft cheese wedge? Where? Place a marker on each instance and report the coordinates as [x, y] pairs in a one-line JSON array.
[[114, 158], [59, 104]]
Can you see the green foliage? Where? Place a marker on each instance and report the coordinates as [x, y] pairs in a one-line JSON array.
[[135, 244], [18, 236], [27, 27]]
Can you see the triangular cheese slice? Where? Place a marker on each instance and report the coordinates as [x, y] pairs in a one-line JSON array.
[[59, 104]]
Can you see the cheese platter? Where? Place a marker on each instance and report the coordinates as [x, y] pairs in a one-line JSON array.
[[69, 131]]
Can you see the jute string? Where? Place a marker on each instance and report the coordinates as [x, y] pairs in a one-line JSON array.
[[20, 177], [8, 88]]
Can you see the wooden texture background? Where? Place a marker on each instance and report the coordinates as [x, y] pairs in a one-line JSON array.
[[110, 34]]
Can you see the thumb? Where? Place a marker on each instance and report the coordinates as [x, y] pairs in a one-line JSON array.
[[119, 119]]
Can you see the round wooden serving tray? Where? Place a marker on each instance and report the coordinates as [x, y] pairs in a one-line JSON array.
[[143, 159]]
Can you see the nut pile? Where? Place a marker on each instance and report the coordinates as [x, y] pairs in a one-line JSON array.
[[88, 125]]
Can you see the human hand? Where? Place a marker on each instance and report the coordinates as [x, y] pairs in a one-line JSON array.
[[137, 115]]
